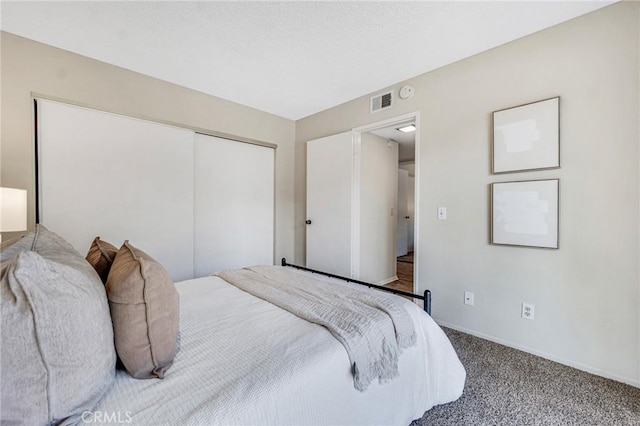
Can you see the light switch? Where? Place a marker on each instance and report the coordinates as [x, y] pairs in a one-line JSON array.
[[442, 213]]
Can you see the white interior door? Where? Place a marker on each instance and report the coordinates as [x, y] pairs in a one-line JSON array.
[[330, 173], [402, 236], [234, 204]]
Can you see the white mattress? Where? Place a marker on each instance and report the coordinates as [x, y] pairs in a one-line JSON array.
[[245, 361]]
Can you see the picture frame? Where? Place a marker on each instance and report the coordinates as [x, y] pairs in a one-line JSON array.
[[527, 137], [525, 213]]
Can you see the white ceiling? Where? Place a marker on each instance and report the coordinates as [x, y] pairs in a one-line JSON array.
[[291, 58]]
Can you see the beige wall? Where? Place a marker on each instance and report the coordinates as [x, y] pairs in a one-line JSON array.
[[30, 67], [586, 294]]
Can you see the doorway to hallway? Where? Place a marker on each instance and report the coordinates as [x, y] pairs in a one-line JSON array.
[[405, 133]]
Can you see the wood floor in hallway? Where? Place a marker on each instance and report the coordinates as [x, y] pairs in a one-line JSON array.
[[405, 274]]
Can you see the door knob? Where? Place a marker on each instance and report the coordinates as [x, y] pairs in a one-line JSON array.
[[407, 217], [308, 222]]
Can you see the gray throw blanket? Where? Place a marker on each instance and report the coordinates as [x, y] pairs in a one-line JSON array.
[[372, 326]]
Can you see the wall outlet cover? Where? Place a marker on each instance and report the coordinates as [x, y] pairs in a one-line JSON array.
[[468, 298], [528, 311], [442, 213]]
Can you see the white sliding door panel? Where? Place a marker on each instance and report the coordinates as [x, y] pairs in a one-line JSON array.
[[119, 178], [234, 204]]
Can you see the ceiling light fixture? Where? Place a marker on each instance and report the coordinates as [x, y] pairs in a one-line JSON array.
[[407, 129]]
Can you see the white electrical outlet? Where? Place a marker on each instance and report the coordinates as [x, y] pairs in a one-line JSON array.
[[528, 311], [468, 298], [442, 213]]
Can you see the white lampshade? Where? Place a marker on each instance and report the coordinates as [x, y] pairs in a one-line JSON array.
[[13, 209]]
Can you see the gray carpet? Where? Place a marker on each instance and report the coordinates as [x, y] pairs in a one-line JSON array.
[[509, 387]]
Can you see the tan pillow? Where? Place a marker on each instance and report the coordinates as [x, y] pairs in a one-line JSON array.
[[144, 312], [101, 255]]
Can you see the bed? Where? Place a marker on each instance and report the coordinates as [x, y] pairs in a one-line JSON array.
[[237, 359], [243, 360]]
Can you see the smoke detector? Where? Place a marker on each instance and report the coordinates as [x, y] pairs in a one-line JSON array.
[[406, 92]]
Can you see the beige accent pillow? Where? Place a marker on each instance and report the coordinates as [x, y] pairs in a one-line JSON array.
[[101, 255], [144, 311], [58, 356]]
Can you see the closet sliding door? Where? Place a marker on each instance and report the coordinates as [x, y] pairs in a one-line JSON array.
[[119, 178], [234, 204], [195, 203]]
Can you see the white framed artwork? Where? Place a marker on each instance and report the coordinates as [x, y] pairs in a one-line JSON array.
[[527, 137], [525, 213]]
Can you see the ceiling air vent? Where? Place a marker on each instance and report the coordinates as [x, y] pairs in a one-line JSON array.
[[382, 101]]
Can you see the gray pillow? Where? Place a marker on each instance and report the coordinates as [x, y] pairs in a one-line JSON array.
[[58, 354], [17, 245], [40, 240], [144, 311]]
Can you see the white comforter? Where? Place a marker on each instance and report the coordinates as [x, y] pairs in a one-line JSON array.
[[245, 361]]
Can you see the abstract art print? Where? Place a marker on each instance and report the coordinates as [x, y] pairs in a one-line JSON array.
[[525, 213], [527, 137]]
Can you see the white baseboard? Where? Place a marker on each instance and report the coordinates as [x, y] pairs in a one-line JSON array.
[[588, 369], [387, 281]]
